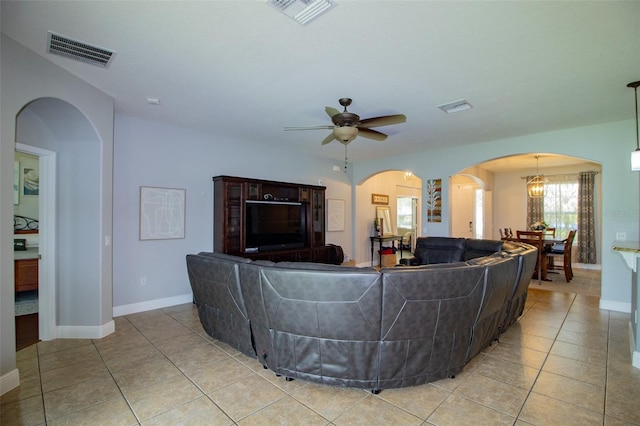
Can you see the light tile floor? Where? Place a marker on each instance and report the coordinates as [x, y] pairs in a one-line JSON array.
[[566, 362]]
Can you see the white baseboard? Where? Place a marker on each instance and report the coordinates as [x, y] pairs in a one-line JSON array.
[[149, 305], [635, 355], [9, 381], [592, 266], [85, 331], [613, 305]]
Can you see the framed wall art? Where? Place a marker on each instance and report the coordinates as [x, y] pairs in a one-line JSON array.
[[30, 181], [380, 199], [162, 213], [434, 200], [335, 215]]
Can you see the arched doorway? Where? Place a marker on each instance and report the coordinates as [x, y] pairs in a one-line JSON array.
[[393, 185], [59, 134], [504, 181]]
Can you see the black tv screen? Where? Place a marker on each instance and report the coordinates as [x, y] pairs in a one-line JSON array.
[[273, 225]]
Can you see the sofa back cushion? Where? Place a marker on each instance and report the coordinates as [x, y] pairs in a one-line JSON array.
[[474, 248], [427, 320], [217, 294], [439, 250], [318, 324], [501, 274]]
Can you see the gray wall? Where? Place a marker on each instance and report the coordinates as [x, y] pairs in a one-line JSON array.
[[160, 155], [25, 77]]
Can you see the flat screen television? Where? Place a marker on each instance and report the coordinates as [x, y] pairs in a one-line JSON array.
[[274, 225]]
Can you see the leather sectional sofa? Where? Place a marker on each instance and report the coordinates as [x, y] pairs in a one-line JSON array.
[[360, 327]]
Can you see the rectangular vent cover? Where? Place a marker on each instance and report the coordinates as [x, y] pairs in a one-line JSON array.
[[83, 52], [456, 106], [303, 11]]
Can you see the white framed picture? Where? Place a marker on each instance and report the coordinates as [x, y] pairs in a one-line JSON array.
[[335, 215], [162, 213]]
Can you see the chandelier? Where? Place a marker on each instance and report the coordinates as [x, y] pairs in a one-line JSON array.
[[535, 185]]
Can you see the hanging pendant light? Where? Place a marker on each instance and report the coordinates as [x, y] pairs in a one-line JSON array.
[[635, 155], [535, 185]]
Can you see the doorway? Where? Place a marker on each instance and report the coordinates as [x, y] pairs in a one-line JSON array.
[[407, 221], [46, 316]]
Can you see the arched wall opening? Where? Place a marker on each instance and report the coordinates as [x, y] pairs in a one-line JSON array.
[[503, 182], [392, 185], [72, 278]]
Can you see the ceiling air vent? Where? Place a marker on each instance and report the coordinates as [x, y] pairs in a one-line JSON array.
[[83, 52], [456, 106], [303, 11]]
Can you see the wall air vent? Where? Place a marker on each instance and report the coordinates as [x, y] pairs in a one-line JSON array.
[[83, 52], [456, 106], [303, 11]]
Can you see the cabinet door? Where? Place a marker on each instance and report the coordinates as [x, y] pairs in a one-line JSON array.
[[317, 219], [233, 217], [26, 274]]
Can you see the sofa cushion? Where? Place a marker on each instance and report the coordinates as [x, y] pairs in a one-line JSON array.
[[477, 248], [439, 250], [318, 266]]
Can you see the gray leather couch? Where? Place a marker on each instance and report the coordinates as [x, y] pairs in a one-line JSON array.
[[359, 327]]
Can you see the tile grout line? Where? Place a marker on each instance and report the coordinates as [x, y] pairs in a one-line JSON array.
[[530, 391]]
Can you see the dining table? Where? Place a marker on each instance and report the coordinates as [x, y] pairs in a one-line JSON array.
[[542, 267]]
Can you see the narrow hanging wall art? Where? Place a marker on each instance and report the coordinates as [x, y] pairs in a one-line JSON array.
[[434, 200]]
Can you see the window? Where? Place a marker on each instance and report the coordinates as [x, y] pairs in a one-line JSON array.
[[561, 204]]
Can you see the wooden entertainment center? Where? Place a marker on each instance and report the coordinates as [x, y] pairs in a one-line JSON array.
[[235, 198]]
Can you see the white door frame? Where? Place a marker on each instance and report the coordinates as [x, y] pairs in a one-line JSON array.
[[46, 240]]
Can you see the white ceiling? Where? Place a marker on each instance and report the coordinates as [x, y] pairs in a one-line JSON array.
[[244, 71]]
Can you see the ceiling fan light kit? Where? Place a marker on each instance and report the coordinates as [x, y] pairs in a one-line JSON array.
[[635, 155], [345, 134]]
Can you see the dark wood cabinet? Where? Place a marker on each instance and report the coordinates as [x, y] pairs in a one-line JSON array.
[[26, 274], [231, 195]]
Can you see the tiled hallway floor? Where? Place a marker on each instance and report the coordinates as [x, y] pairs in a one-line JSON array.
[[566, 362]]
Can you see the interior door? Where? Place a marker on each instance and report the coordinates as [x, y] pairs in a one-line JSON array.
[[463, 211]]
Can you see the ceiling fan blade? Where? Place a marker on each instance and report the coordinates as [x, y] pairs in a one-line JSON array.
[[331, 111], [371, 134], [384, 120], [328, 139], [286, 129]]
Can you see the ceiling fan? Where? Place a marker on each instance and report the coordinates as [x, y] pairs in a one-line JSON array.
[[347, 126]]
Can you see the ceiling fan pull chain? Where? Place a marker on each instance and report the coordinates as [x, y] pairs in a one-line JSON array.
[[345, 158]]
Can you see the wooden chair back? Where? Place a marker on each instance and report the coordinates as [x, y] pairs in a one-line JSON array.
[[536, 239], [550, 233], [566, 256]]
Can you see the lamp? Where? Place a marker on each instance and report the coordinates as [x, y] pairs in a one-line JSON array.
[[635, 155], [535, 185]]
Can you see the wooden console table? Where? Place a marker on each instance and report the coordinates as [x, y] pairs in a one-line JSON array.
[[380, 240]]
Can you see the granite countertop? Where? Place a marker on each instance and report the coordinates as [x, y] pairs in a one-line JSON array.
[[629, 250], [626, 246], [29, 253]]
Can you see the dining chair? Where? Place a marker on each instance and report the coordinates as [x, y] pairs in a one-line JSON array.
[[563, 250], [549, 233], [536, 239]]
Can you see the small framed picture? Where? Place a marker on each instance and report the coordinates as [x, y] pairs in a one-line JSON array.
[[380, 199], [30, 181]]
